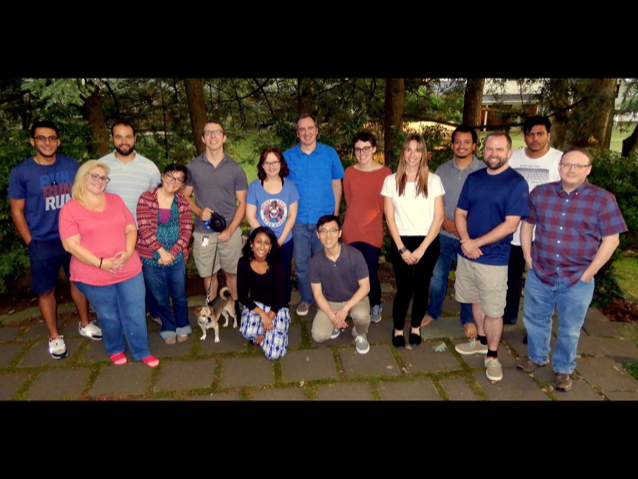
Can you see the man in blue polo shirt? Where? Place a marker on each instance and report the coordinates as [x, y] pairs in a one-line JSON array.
[[316, 171]]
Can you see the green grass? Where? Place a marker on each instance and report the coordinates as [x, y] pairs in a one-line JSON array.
[[626, 270]]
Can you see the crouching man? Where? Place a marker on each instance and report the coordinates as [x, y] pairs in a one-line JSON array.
[[577, 228], [340, 285]]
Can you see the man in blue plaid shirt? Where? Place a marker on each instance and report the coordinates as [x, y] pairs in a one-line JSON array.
[[577, 228]]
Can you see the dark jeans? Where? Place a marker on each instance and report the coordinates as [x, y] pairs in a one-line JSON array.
[[169, 285], [413, 281], [286, 261], [371, 255], [515, 270]]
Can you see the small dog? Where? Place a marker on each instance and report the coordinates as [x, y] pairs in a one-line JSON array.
[[208, 316]]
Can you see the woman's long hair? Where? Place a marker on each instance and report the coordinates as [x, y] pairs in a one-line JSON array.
[[422, 175], [275, 251], [77, 191]]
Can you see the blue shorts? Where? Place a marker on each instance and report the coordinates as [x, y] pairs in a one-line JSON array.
[[46, 259]]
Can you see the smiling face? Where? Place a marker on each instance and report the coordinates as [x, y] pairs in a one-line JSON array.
[[95, 181], [463, 145], [412, 155], [214, 136], [329, 234], [307, 132], [43, 144], [363, 151], [261, 246], [123, 139], [496, 153], [272, 165], [172, 181]]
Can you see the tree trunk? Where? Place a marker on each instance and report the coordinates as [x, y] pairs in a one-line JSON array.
[[629, 143], [93, 113], [591, 117], [473, 101], [393, 117], [558, 102], [196, 109], [305, 105]]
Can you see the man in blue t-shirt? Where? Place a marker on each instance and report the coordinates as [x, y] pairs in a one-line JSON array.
[[492, 202], [38, 188], [316, 171]]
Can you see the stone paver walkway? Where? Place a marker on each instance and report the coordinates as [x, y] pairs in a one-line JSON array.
[[236, 370]]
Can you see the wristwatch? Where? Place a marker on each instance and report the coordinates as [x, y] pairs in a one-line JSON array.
[[403, 250]]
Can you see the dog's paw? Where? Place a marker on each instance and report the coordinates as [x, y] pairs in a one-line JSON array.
[[235, 325], [203, 338], [216, 340]]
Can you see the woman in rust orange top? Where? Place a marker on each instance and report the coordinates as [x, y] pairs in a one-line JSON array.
[[363, 224]]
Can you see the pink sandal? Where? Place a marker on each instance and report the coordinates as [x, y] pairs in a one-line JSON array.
[[151, 361], [118, 359]]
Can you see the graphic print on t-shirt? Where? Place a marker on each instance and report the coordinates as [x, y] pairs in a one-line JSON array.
[[534, 176], [56, 189], [273, 212]]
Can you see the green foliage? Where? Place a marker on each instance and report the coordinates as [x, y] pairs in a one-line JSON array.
[[632, 368]]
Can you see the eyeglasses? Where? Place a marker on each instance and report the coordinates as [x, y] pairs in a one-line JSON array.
[[45, 138], [208, 133], [365, 149], [98, 178], [170, 177], [332, 231], [576, 166], [271, 163]]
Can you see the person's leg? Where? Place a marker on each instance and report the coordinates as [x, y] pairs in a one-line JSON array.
[[538, 309], [286, 261], [229, 254], [132, 314], [572, 304], [322, 327], [176, 282], [207, 261], [515, 270], [48, 308], [45, 266], [156, 282], [403, 274], [276, 340], [371, 255], [251, 326], [440, 274], [492, 281], [422, 276], [302, 254], [104, 301], [360, 314]]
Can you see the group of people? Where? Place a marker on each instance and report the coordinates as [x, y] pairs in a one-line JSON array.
[[127, 228]]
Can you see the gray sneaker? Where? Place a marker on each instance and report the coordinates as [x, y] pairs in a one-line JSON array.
[[493, 371], [375, 313], [527, 365], [302, 309], [563, 382], [335, 333], [362, 344], [471, 347]]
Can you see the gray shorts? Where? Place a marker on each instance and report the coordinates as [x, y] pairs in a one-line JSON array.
[[481, 283], [228, 253]]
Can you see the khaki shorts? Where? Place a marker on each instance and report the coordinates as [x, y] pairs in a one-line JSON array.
[[228, 253], [481, 283]]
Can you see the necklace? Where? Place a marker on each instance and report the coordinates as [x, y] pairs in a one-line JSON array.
[[55, 170]]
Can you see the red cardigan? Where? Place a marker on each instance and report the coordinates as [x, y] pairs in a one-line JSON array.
[[147, 211]]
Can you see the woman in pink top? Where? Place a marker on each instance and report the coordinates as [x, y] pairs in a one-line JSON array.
[[99, 231], [363, 224]]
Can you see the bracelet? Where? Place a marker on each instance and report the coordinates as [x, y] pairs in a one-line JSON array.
[[100, 263], [403, 250]]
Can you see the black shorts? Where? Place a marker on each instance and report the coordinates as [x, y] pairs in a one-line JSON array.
[[46, 259]]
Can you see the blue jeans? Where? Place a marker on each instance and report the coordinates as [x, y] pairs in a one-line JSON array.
[[538, 307], [121, 312], [450, 247], [165, 283], [307, 244]]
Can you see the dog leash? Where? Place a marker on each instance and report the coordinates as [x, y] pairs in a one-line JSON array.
[[210, 285]]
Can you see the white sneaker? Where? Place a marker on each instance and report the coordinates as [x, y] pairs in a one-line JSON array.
[[362, 344], [91, 330], [57, 348], [302, 309], [335, 333], [493, 371]]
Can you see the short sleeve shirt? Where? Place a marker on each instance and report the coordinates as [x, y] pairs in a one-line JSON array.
[[339, 279], [272, 209]]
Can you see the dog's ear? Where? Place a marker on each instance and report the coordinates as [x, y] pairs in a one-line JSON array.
[[197, 311]]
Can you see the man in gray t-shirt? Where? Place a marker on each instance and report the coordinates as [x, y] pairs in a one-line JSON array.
[[453, 175], [220, 185], [340, 284]]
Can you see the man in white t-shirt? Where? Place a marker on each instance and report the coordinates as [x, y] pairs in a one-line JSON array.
[[538, 164]]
